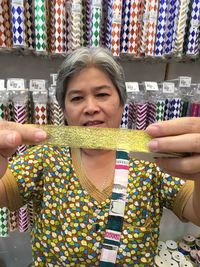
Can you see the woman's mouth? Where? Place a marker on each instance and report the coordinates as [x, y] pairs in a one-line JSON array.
[[92, 123]]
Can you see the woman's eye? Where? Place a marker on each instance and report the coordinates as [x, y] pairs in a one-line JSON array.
[[76, 98], [102, 95]]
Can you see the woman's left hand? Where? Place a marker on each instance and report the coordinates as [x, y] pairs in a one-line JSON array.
[[177, 136]]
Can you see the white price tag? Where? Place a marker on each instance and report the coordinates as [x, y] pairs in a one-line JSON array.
[[96, 3], [76, 8], [19, 3], [168, 88], [185, 81], [132, 87], [2, 84], [15, 84], [37, 84], [151, 86]]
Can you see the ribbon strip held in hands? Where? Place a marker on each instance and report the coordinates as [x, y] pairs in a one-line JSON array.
[[135, 141]]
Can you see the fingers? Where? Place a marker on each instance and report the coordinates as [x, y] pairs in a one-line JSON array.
[[187, 167], [12, 134], [174, 127], [179, 144]]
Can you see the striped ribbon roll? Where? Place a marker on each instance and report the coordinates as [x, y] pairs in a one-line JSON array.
[[31, 213], [180, 31], [124, 120], [116, 27], [18, 23], [160, 109], [7, 24], [141, 116], [125, 26], [83, 23], [56, 114], [131, 115], [103, 25], [95, 23], [2, 28], [134, 27], [161, 28], [23, 217], [144, 26], [151, 113], [60, 26], [40, 26], [87, 30], [4, 226], [170, 27], [51, 38], [109, 24], [75, 34], [20, 116], [193, 44], [29, 24], [151, 28], [176, 19]]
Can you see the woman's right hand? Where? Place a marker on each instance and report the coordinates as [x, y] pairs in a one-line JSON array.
[[14, 134]]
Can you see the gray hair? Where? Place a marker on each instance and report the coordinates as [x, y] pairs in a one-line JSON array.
[[84, 57]]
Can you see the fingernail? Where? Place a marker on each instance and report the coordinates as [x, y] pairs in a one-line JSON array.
[[40, 135], [153, 146], [152, 129], [11, 139]]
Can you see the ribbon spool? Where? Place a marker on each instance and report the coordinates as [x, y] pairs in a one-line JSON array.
[[197, 244], [173, 263], [161, 245], [189, 240], [186, 263], [165, 255], [171, 245], [159, 262], [177, 256], [184, 248], [193, 255]]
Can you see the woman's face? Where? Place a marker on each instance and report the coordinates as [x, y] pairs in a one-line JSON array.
[[92, 100]]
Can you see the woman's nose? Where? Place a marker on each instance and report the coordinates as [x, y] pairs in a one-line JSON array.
[[91, 106]]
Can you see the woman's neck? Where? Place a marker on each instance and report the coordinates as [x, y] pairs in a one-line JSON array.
[[97, 153]]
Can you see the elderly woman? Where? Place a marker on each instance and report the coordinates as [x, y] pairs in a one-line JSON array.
[[97, 207]]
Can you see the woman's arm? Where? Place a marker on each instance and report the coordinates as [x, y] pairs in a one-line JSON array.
[[11, 136]]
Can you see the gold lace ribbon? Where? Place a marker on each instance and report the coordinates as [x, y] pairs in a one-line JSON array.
[[134, 141]]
